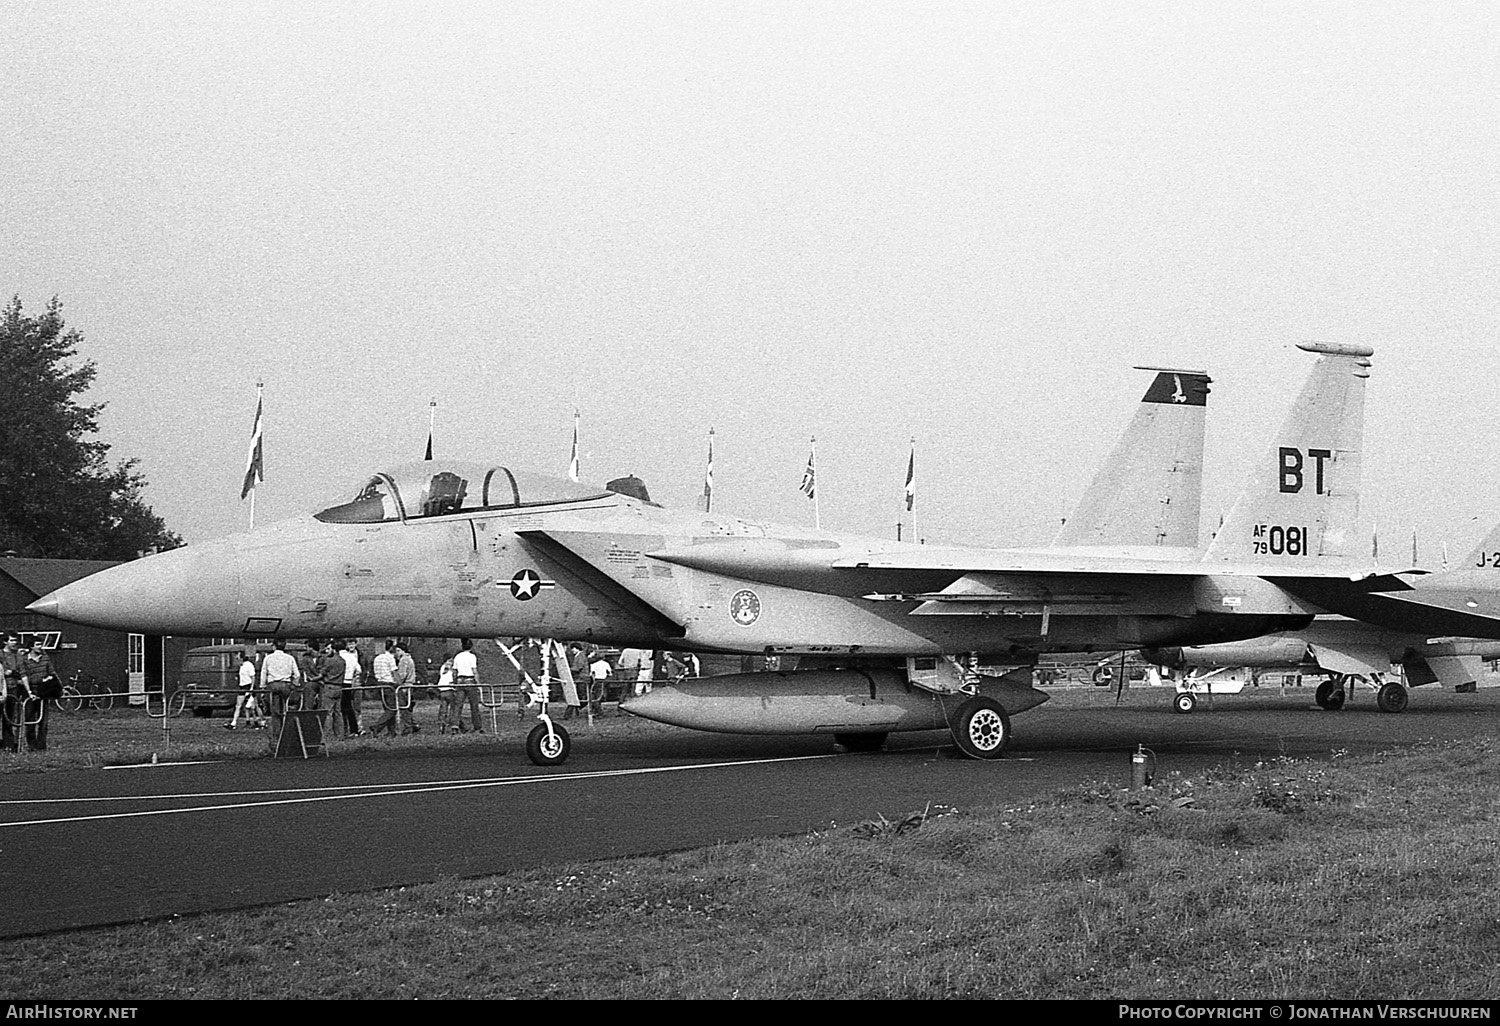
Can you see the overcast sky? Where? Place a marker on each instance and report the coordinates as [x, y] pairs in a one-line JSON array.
[[860, 221]]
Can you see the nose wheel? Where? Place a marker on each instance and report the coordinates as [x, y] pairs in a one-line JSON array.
[[548, 744]]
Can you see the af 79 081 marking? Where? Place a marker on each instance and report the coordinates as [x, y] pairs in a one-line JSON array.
[[1278, 540]]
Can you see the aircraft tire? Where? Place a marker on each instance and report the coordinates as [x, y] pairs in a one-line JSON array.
[[548, 751], [1391, 698], [1184, 702], [861, 742], [981, 728], [1330, 695]]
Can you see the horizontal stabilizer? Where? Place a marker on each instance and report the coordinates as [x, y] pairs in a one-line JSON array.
[[1452, 671]]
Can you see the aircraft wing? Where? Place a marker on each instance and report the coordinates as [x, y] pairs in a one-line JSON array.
[[1041, 561], [932, 580]]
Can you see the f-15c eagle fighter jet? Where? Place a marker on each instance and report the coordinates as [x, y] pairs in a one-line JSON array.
[[453, 549]]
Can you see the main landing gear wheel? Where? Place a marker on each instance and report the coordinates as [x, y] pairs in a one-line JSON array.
[[860, 742], [1330, 695], [1184, 702], [546, 749], [981, 728], [1391, 697]]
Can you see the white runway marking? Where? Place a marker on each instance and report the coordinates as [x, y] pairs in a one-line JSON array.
[[320, 794]]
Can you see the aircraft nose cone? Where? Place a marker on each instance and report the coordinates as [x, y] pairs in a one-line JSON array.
[[186, 591], [46, 606]]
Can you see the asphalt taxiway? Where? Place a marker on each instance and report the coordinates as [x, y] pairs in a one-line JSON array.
[[122, 845]]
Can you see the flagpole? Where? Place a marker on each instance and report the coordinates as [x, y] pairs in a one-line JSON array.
[[431, 422], [817, 503], [259, 389], [911, 491], [573, 458], [708, 477]]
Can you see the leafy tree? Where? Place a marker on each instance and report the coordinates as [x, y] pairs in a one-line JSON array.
[[59, 497]]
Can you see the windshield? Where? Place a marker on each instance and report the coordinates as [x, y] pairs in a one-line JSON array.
[[435, 489], [374, 503]]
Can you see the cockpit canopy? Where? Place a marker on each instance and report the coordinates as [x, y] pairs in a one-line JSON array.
[[435, 488]]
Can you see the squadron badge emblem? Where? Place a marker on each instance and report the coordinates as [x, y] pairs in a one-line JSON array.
[[744, 607]]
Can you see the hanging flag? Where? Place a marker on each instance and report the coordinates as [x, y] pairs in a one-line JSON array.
[[708, 475], [255, 471], [809, 485], [911, 478], [431, 415], [573, 459]]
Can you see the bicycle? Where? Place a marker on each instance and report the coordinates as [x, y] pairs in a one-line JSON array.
[[85, 689], [72, 698]]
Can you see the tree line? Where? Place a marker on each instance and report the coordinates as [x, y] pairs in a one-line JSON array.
[[60, 497]]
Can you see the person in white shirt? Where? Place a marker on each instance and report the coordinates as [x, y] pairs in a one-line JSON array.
[[450, 700], [646, 672], [279, 674], [353, 678], [466, 679], [599, 672], [246, 702], [385, 679]]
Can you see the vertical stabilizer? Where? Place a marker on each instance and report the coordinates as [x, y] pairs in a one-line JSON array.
[[1148, 491], [1302, 500]]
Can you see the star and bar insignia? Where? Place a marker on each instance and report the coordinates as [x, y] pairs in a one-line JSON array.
[[525, 585]]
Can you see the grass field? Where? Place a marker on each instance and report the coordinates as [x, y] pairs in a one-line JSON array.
[[1360, 877]]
